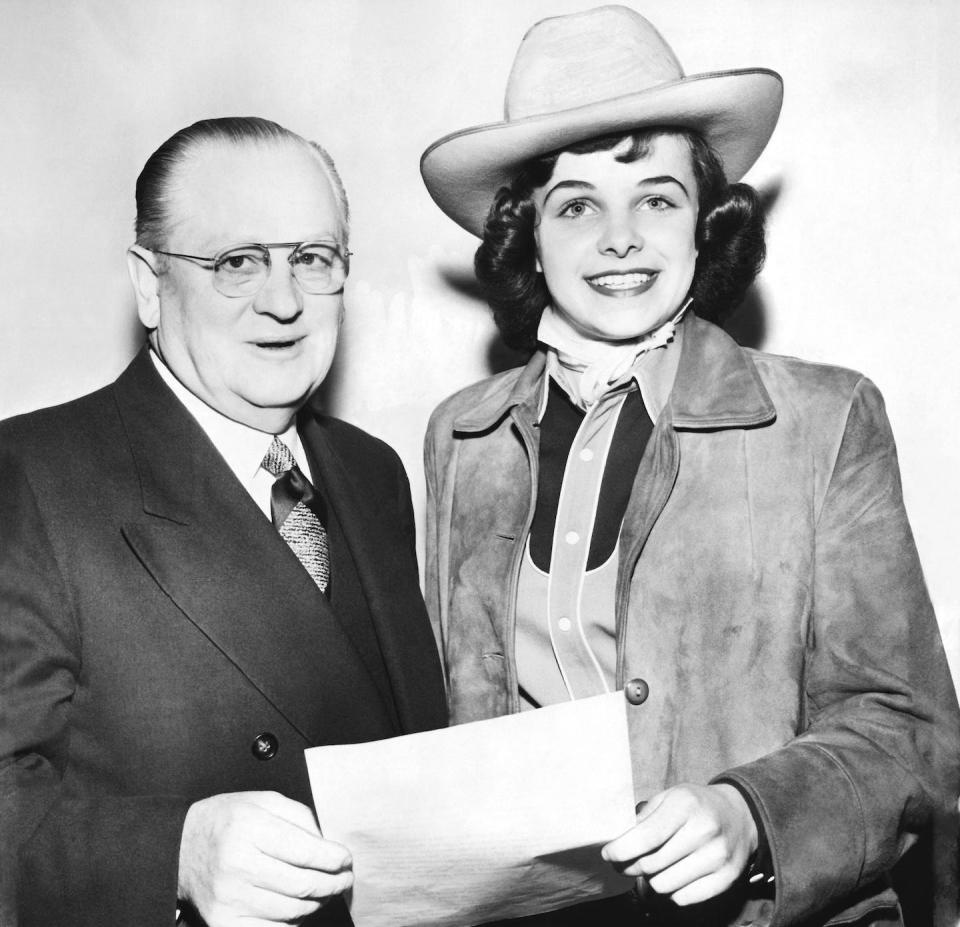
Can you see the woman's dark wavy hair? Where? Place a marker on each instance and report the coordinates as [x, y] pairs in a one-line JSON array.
[[729, 237]]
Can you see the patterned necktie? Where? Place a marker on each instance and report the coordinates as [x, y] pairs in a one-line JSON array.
[[296, 510]]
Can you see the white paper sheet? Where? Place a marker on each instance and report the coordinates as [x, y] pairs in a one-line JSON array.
[[483, 821]]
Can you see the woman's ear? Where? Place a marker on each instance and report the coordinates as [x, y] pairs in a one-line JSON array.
[[146, 285]]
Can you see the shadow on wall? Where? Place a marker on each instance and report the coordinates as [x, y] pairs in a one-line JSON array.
[[747, 324], [487, 356], [499, 357]]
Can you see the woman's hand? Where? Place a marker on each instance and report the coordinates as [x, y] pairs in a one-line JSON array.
[[691, 842]]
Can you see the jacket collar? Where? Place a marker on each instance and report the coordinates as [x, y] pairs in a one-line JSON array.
[[209, 547], [178, 466], [389, 581], [717, 386], [520, 387]]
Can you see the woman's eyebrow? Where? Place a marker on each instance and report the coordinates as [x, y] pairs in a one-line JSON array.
[[586, 185], [663, 178], [565, 184]]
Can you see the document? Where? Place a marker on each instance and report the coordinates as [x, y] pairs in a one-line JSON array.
[[489, 820]]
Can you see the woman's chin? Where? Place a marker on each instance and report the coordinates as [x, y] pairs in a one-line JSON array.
[[625, 331]]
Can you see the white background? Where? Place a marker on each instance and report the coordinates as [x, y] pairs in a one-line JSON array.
[[862, 175]]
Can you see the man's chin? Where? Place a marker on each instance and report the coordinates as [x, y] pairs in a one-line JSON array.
[[271, 402]]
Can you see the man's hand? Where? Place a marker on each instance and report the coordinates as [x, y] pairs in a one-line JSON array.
[[257, 857], [690, 843]]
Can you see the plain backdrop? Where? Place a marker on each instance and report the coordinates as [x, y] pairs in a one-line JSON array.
[[861, 179]]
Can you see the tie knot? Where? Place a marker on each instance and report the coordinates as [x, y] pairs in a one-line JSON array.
[[278, 458]]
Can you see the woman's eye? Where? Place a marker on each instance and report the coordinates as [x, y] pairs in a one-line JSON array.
[[656, 203], [575, 209]]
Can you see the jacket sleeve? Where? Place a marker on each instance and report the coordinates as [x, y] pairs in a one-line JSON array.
[[877, 757], [65, 858]]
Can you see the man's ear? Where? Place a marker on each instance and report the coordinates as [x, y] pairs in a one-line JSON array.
[[146, 285]]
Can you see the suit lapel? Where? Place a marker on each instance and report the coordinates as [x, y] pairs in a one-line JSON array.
[[222, 563], [386, 563]]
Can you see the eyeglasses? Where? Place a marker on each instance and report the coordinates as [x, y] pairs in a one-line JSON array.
[[319, 267]]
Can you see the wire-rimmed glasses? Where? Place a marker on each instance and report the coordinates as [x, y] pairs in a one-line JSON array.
[[319, 267]]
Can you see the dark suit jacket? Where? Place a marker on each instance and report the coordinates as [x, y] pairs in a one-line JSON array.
[[153, 624]]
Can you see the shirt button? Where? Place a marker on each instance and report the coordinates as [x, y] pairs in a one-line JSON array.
[[564, 624], [265, 746], [571, 537], [636, 691], [586, 454]]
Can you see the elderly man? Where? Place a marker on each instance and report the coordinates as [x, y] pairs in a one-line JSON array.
[[199, 575]]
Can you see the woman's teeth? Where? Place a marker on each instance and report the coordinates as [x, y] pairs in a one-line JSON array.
[[621, 281]]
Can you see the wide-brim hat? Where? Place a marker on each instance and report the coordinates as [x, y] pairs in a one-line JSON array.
[[594, 73]]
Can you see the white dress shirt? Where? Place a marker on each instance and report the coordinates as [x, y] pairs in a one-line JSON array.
[[241, 446]]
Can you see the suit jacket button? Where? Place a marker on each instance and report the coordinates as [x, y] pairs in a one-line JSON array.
[[636, 691], [264, 746]]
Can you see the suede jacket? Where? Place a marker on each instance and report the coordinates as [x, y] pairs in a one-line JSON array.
[[769, 593]]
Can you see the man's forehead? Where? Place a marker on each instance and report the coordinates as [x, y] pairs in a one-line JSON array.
[[262, 191]]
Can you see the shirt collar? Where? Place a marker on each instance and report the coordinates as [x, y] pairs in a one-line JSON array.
[[653, 372], [717, 385], [241, 446]]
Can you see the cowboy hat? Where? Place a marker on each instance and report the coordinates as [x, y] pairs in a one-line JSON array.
[[598, 72]]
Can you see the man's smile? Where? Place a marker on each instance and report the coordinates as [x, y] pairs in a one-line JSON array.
[[277, 344]]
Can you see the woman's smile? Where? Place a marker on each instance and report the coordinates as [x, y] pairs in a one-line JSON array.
[[620, 284]]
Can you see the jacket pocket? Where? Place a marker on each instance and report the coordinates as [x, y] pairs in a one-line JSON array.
[[882, 910]]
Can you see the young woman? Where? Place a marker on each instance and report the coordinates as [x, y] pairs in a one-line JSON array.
[[646, 505]]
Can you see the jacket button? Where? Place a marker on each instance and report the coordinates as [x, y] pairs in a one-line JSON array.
[[636, 691], [264, 746]]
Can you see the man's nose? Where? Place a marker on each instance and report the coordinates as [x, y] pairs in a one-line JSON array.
[[620, 233], [280, 296]]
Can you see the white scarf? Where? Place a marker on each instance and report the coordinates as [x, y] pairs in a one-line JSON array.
[[593, 366]]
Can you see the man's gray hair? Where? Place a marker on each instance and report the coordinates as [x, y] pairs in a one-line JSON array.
[[155, 180]]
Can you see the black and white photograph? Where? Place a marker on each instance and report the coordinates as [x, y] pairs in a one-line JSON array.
[[479, 463]]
